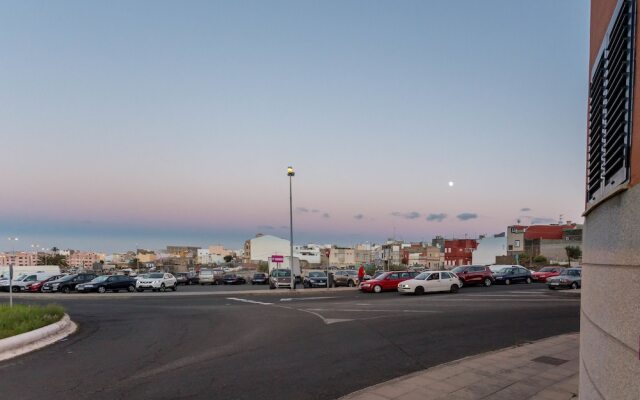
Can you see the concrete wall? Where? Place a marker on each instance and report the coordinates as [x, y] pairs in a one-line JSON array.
[[263, 247], [610, 314]]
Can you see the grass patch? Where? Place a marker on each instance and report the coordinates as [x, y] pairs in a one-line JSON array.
[[22, 318]]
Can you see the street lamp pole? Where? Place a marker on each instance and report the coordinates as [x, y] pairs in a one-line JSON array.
[[11, 265], [291, 174]]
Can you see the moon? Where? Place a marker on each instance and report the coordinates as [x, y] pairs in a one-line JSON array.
[[451, 183]]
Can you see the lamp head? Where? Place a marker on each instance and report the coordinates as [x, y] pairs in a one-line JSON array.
[[290, 171]]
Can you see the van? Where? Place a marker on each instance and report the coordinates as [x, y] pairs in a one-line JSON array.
[[20, 282]]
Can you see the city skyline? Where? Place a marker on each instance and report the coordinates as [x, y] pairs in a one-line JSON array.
[[177, 127]]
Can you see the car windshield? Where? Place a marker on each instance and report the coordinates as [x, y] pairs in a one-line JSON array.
[[206, 273], [258, 276], [377, 274], [457, 270], [316, 275], [570, 272], [281, 273], [423, 276], [353, 273], [155, 276], [100, 279], [68, 277], [547, 269]]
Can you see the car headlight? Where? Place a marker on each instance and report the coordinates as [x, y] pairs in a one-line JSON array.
[[405, 286]]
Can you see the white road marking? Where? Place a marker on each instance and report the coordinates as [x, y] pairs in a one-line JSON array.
[[327, 321], [305, 298], [365, 310], [249, 301]]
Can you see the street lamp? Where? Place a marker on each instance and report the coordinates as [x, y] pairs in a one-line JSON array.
[[13, 261], [35, 250], [291, 174]]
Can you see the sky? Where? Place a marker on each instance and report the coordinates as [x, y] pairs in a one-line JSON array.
[[129, 124]]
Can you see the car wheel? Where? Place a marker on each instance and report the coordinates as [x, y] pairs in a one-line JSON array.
[[351, 284], [66, 290], [574, 285], [507, 281], [377, 288], [175, 287], [116, 291], [487, 282], [163, 288], [15, 289], [419, 290], [528, 280], [131, 288], [101, 289], [454, 289]]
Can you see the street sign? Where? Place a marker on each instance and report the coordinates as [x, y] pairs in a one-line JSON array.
[[277, 259]]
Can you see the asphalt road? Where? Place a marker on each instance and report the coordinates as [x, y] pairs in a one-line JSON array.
[[309, 345]]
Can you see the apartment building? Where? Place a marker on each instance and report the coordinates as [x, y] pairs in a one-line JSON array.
[[342, 257], [205, 256], [459, 251], [83, 259], [261, 247], [19, 259]]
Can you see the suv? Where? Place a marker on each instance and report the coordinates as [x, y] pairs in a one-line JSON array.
[[474, 275], [68, 283], [346, 278]]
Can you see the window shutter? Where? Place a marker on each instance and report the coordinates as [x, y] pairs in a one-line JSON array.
[[610, 106]]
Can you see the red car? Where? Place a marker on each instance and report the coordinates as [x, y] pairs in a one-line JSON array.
[[546, 273], [387, 281], [37, 286], [474, 275]]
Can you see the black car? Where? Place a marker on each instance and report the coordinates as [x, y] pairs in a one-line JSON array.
[[260, 279], [315, 279], [104, 283], [187, 278], [233, 280], [512, 274], [68, 283]]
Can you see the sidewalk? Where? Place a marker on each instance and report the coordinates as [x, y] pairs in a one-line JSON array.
[[543, 370]]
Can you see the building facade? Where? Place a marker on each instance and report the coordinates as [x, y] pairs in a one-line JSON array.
[[610, 305], [342, 257], [488, 248], [459, 252], [261, 247], [84, 259], [19, 258]]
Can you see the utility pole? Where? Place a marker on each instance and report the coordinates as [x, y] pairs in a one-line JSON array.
[[291, 174], [11, 265]]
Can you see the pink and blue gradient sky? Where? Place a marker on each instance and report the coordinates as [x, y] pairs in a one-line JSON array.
[[153, 123]]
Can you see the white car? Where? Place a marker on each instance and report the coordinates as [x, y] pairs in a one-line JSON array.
[[431, 281], [157, 281]]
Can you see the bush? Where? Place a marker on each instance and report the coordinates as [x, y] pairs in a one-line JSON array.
[[263, 266], [540, 259], [22, 318]]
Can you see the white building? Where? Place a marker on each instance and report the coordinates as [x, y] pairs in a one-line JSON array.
[[261, 247], [311, 253], [205, 256], [488, 248]]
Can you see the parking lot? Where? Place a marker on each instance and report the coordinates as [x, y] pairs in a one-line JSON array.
[[201, 342]]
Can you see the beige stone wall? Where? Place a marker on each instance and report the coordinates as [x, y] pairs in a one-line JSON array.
[[610, 311]]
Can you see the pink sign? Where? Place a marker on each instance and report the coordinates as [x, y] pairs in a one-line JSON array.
[[277, 259]]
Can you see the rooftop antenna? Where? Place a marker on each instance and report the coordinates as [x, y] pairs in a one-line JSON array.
[[560, 221]]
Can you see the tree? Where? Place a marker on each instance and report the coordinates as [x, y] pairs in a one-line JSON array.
[[540, 259], [263, 266], [55, 249], [228, 258], [573, 253], [133, 263], [55, 259]]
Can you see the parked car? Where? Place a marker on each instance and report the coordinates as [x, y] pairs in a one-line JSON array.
[[68, 283], [114, 283], [436, 281], [546, 273], [233, 279], [569, 278], [315, 279], [260, 278], [157, 281], [512, 274], [346, 278], [474, 275], [387, 281], [280, 278], [210, 276], [37, 286], [186, 278], [20, 282]]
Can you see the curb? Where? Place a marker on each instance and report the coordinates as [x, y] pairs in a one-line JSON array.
[[449, 363], [29, 341]]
